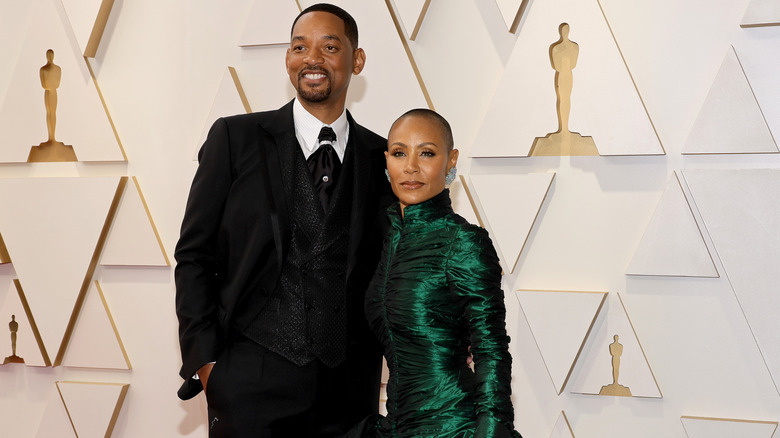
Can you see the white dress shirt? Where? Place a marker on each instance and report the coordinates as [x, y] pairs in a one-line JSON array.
[[307, 129]]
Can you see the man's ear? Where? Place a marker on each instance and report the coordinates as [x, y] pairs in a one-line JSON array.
[[358, 61]]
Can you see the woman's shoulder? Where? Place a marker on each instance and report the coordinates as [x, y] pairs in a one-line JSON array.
[[468, 235]]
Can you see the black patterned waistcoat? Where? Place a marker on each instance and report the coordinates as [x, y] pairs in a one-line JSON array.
[[305, 317]]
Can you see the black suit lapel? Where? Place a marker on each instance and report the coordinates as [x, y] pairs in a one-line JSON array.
[[277, 134], [364, 174]]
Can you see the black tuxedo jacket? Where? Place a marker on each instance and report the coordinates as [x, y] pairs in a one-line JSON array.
[[235, 236]]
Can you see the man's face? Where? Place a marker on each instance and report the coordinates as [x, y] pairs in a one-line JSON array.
[[321, 60]]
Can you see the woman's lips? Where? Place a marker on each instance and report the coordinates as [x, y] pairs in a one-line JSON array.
[[412, 185]]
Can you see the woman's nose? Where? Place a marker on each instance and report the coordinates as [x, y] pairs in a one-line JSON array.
[[410, 166]]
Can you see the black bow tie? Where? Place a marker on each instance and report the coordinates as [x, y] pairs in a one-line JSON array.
[[325, 166]]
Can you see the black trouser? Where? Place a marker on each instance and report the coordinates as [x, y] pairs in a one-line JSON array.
[[253, 392]]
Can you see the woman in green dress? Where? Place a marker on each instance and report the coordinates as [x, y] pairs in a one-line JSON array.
[[435, 296]]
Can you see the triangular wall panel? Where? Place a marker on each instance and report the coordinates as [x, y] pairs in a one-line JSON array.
[[53, 228], [508, 206], [673, 244], [29, 345], [411, 13], [95, 342], [461, 203], [562, 428], [595, 368], [560, 322], [512, 12], [269, 23], [762, 13], [93, 407], [708, 427], [88, 19], [229, 100], [133, 239], [739, 208], [605, 103], [82, 121], [4, 256], [55, 422], [730, 121]]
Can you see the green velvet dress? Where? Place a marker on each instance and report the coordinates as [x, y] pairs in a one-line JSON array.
[[437, 292]]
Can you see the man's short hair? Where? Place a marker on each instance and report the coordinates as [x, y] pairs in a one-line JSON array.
[[350, 26], [431, 116]]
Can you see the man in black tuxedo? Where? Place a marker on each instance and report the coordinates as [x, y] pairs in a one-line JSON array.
[[280, 238]]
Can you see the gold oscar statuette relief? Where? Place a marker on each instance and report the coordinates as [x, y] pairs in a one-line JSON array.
[[614, 388], [51, 149], [14, 327], [563, 57]]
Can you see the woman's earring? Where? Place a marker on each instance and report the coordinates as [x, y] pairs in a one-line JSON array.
[[450, 178], [387, 174]]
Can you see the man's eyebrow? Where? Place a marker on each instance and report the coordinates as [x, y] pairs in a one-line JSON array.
[[331, 37]]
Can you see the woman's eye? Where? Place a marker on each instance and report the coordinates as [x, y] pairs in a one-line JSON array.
[[428, 154], [397, 154]]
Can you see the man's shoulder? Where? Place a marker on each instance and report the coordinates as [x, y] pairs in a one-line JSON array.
[[367, 137], [268, 119]]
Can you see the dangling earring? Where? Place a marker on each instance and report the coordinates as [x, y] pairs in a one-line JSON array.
[[450, 178], [387, 174]]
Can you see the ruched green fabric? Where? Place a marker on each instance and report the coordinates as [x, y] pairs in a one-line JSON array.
[[437, 292]]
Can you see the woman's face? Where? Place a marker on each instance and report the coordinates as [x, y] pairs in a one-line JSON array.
[[417, 160]]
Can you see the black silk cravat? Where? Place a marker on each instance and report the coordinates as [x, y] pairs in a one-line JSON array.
[[325, 166]]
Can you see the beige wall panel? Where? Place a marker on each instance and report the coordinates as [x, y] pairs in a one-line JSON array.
[[133, 239], [96, 342], [461, 202], [411, 14], [705, 427], [93, 407], [511, 11], [82, 121], [229, 100], [562, 428], [730, 121], [55, 422], [51, 227], [741, 212], [762, 68], [29, 345], [561, 323], [88, 20], [268, 22], [508, 206], [762, 13], [597, 367], [672, 244], [14, 20], [605, 103]]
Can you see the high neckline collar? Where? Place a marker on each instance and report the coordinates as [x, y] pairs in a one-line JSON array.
[[423, 212]]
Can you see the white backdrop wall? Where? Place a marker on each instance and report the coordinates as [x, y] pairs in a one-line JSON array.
[[707, 341]]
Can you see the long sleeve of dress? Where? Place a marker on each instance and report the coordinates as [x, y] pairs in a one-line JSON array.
[[474, 276]]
